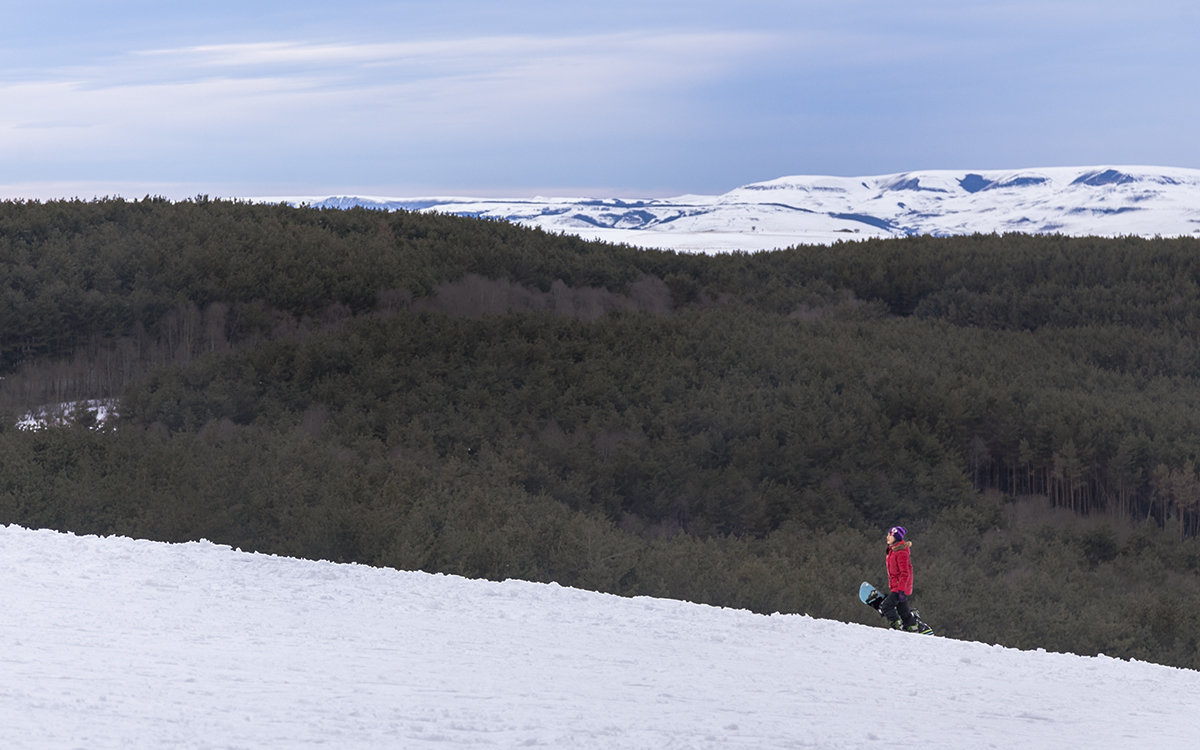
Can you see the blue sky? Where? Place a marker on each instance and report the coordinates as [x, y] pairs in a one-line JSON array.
[[636, 99]]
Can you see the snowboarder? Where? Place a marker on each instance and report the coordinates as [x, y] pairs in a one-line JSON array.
[[900, 582]]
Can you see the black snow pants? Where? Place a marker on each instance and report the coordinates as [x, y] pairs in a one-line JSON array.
[[895, 607]]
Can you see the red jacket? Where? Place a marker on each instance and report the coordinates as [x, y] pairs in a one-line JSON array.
[[899, 565]]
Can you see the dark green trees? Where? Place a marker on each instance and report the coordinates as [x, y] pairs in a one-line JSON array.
[[465, 396]]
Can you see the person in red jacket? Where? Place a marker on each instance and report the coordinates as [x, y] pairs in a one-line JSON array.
[[900, 581]]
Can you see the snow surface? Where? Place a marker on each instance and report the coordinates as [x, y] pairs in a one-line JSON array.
[[66, 413], [1097, 201], [119, 643]]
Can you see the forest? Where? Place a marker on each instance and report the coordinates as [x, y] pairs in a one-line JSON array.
[[471, 397]]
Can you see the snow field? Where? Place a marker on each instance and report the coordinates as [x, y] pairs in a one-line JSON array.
[[120, 643]]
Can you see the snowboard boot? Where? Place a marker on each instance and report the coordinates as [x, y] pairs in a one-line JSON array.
[[914, 627], [895, 625]]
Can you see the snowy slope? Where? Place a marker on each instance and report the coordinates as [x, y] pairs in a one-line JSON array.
[[1101, 201], [117, 643]]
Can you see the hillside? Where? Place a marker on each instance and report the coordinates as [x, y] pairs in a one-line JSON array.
[[116, 643], [429, 392]]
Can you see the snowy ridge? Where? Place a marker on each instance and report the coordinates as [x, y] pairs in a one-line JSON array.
[[1099, 201], [118, 643]]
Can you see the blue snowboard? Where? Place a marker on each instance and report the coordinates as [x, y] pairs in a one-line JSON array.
[[871, 597]]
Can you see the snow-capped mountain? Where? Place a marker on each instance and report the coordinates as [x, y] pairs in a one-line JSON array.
[[1100, 201]]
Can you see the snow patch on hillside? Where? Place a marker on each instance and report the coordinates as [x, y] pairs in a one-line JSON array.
[[94, 411]]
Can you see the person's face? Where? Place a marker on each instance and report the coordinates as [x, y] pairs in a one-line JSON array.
[[890, 538]]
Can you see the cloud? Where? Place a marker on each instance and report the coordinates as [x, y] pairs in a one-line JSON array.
[[426, 89], [512, 80]]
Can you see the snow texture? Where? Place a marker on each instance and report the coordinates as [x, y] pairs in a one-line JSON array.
[[120, 643], [1097, 201], [97, 411]]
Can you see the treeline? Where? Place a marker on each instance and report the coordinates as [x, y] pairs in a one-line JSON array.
[[467, 396], [77, 270]]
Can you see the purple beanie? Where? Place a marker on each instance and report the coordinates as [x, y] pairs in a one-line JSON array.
[[898, 532]]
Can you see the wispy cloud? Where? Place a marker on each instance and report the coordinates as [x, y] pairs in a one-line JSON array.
[[472, 50], [219, 105]]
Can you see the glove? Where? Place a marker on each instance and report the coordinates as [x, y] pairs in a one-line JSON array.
[[901, 597]]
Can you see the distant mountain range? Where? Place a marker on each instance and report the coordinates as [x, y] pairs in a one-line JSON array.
[[1102, 201]]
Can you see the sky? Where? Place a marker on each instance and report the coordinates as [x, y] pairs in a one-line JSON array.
[[538, 97]]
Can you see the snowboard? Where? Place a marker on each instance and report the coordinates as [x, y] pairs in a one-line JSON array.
[[871, 597]]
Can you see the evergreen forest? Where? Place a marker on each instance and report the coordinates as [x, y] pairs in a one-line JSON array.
[[470, 397]]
